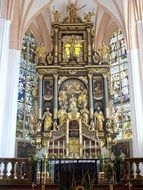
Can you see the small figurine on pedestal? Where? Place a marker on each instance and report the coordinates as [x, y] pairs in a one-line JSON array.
[[99, 118], [49, 58], [56, 15]]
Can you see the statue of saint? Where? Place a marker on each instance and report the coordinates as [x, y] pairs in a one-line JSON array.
[[104, 51], [82, 99], [72, 9], [32, 123], [56, 15], [99, 118], [85, 115], [73, 104], [62, 115], [41, 52], [47, 118]]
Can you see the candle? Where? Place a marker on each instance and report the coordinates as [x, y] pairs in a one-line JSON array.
[[53, 148], [107, 112]]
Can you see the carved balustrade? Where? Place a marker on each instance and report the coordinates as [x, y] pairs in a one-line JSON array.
[[15, 169], [132, 170]]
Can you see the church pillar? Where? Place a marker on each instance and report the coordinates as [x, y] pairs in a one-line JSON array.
[[135, 70], [136, 101], [4, 45], [55, 96], [106, 91], [9, 112], [89, 44], [90, 95], [135, 65]]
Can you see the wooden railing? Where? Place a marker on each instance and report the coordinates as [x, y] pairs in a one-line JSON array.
[[18, 171]]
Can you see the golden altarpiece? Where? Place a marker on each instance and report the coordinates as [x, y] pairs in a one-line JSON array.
[[72, 94]]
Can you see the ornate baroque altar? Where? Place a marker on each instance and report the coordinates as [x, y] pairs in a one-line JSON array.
[[72, 94]]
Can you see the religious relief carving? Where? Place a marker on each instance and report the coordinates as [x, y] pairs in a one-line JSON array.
[[73, 99], [72, 48]]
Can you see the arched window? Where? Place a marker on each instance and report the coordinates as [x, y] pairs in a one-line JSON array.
[[27, 80], [120, 96]]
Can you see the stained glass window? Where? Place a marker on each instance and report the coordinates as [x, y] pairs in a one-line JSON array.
[[27, 80], [120, 95]]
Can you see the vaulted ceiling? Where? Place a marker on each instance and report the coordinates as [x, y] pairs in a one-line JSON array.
[[37, 15]]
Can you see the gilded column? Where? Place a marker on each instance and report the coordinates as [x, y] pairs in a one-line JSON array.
[[106, 92], [80, 138], [55, 96], [40, 97], [56, 46], [90, 95], [89, 44]]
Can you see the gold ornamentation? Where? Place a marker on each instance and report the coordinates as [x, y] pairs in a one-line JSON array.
[[80, 187], [41, 51], [104, 51]]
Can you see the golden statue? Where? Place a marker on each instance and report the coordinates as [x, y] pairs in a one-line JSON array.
[[32, 123], [72, 47], [56, 15], [47, 117], [41, 52], [82, 99], [99, 119], [88, 16], [72, 9], [85, 115], [104, 51], [62, 115]]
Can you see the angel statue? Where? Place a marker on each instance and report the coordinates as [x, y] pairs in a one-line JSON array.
[[56, 15], [88, 16]]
